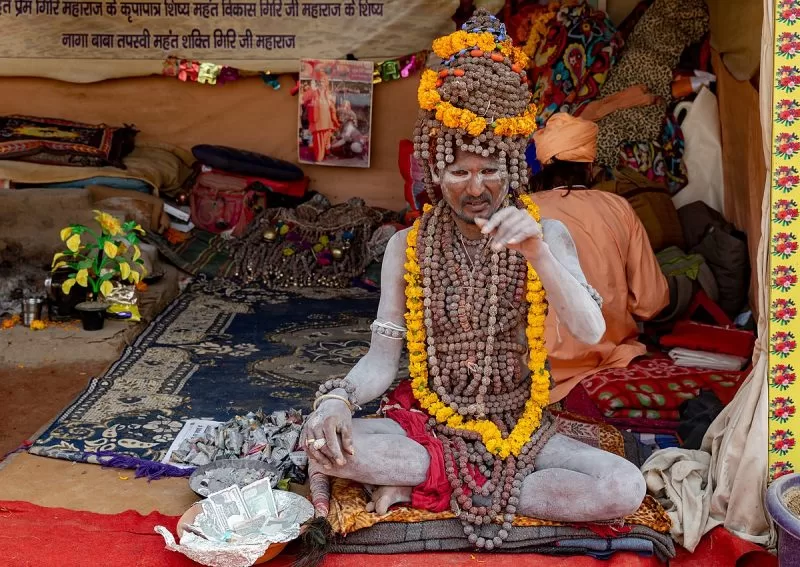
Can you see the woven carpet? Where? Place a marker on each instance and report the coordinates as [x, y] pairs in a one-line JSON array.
[[218, 350]]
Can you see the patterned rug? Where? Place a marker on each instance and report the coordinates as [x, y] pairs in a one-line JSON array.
[[217, 351]]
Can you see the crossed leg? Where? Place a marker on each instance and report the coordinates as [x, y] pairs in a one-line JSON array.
[[572, 482]]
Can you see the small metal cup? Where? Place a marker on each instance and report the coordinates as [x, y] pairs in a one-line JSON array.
[[31, 310]]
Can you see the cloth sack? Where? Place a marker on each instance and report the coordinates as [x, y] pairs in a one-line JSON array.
[[246, 163], [702, 153], [685, 273], [652, 204]]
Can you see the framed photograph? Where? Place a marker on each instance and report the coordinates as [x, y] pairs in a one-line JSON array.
[[335, 112]]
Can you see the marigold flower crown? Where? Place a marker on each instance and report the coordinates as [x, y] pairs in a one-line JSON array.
[[476, 45]]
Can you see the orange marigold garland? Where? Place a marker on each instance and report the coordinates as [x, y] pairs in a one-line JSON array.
[[531, 417]]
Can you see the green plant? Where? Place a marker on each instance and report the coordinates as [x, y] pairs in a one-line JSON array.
[[99, 258]]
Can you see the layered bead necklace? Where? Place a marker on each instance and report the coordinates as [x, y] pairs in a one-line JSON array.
[[465, 316]]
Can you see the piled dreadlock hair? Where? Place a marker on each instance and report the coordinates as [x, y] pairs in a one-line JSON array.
[[476, 100]]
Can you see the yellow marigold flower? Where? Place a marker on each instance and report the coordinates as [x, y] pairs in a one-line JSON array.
[[476, 127], [485, 41], [454, 421], [443, 414], [429, 99], [38, 325]]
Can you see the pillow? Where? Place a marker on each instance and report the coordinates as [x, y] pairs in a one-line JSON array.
[[244, 162], [52, 141]]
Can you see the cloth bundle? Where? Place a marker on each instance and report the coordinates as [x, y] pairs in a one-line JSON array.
[[572, 60]]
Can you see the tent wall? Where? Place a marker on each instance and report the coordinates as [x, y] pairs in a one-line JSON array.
[[744, 167], [246, 114]]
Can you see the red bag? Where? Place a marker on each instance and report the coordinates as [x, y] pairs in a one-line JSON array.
[[223, 202]]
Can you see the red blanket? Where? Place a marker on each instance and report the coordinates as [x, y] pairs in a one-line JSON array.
[[653, 387], [32, 535]]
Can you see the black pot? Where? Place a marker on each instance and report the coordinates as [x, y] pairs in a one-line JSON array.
[[60, 305], [93, 314]]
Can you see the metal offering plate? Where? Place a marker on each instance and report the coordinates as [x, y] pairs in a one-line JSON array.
[[223, 473]]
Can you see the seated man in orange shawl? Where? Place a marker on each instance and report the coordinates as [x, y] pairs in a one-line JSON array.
[[612, 247]]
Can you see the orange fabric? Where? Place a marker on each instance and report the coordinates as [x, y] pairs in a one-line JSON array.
[[566, 138], [636, 95], [617, 259]]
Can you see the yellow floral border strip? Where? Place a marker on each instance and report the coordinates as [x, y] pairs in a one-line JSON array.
[[784, 327]]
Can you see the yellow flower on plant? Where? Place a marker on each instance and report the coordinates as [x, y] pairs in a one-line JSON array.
[[67, 285], [134, 277], [56, 258], [124, 270], [110, 249], [106, 288], [110, 224], [66, 233], [136, 253], [82, 277], [74, 242]]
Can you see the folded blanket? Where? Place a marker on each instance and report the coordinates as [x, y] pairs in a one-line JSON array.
[[448, 535], [708, 360], [161, 166]]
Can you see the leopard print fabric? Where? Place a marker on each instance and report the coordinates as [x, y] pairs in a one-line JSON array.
[[652, 52]]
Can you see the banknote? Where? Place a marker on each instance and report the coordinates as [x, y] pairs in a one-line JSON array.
[[259, 500], [229, 506]]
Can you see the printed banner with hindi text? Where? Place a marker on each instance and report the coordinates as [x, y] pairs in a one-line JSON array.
[[89, 40]]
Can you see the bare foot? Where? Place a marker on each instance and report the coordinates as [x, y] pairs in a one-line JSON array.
[[385, 496]]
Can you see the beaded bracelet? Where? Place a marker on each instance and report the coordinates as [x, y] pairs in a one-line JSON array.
[[388, 329], [338, 384]]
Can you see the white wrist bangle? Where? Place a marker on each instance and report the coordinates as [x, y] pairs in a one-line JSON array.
[[334, 397]]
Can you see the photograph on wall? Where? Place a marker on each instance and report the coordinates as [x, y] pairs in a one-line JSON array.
[[335, 112]]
